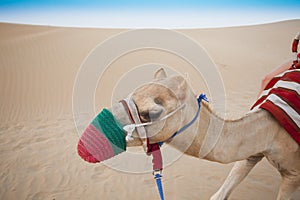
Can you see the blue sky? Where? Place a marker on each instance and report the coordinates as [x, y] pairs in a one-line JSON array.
[[148, 14], [151, 3]]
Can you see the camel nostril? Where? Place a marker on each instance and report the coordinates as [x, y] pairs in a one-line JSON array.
[[145, 116], [152, 115]]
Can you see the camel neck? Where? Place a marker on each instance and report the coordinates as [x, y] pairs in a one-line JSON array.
[[227, 141], [220, 139]]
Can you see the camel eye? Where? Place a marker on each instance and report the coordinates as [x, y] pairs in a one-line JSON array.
[[158, 101]]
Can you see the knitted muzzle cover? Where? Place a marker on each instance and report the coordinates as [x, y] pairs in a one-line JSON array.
[[104, 138]]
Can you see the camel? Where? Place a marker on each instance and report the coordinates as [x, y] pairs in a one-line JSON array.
[[244, 141]]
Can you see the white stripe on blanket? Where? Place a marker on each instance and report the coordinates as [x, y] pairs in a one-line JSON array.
[[284, 106], [283, 84]]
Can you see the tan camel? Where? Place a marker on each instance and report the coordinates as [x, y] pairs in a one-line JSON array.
[[246, 140]]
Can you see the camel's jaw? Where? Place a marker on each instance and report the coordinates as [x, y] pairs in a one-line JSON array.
[[155, 101], [143, 127]]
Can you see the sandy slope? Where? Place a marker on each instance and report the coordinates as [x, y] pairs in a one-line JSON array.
[[38, 67]]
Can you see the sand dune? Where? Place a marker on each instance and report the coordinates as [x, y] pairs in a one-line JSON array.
[[38, 67]]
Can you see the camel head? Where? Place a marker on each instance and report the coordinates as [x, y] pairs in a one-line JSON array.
[[156, 100], [150, 114]]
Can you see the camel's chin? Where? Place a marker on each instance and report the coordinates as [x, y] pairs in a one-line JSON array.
[[137, 142], [154, 140], [134, 143]]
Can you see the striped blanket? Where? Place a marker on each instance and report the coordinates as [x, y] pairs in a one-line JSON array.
[[281, 98]]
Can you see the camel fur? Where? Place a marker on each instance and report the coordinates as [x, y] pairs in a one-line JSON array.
[[244, 141]]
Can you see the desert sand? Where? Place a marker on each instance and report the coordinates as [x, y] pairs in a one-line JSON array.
[[38, 138]]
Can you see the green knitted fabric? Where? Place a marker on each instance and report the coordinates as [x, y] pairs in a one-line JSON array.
[[106, 123]]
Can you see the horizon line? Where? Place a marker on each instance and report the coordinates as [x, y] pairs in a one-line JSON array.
[[97, 27], [147, 18]]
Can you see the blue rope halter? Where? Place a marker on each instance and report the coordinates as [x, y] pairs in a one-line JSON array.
[[199, 99], [157, 173]]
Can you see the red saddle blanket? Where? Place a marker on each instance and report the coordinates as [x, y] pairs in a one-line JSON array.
[[281, 98]]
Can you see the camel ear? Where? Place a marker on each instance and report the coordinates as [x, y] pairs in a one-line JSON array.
[[160, 74]]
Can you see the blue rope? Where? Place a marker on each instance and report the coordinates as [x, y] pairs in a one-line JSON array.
[[199, 99], [159, 186], [158, 176]]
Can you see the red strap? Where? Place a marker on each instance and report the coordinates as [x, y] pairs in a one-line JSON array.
[[295, 45], [154, 149], [127, 110]]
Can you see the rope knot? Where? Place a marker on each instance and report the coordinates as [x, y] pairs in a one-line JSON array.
[[202, 97]]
